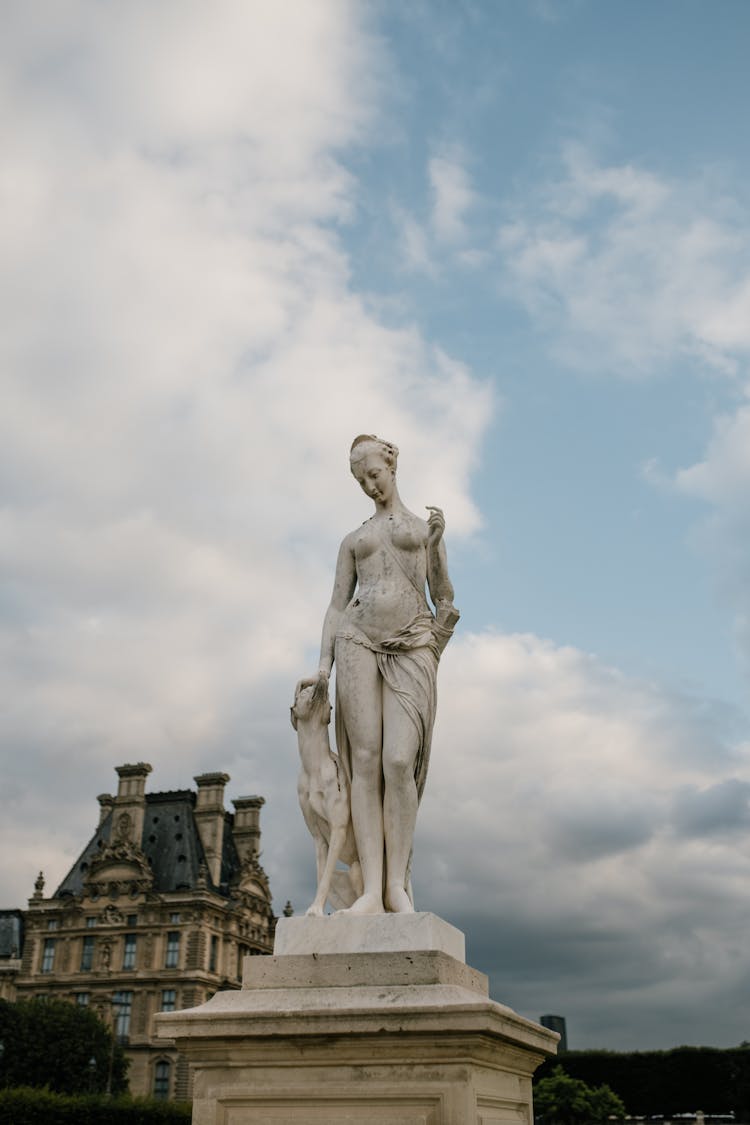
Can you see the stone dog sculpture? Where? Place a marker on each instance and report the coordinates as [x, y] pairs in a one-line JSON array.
[[323, 791], [386, 642]]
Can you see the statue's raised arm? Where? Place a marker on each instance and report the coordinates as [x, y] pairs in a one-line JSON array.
[[386, 643]]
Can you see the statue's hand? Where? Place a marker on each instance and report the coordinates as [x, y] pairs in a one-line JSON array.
[[436, 525], [319, 682], [321, 687]]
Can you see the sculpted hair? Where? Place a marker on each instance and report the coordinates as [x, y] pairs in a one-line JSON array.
[[367, 443]]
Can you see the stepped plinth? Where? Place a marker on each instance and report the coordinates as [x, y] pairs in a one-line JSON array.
[[376, 1020]]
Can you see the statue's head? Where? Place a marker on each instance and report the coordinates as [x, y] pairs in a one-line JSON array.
[[306, 708], [373, 463], [366, 445]]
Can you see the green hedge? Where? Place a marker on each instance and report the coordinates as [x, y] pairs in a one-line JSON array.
[[24, 1106], [680, 1080]]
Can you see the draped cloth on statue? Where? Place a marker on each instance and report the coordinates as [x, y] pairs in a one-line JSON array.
[[408, 664]]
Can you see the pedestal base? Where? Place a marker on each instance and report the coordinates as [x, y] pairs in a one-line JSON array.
[[384, 1037]]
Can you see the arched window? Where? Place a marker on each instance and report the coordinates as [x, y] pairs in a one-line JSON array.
[[161, 1079]]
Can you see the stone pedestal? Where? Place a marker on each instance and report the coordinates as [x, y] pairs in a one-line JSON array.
[[374, 1020]]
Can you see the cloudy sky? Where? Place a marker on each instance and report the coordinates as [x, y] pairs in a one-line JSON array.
[[511, 237]]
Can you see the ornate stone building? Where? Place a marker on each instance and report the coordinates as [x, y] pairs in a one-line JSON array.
[[11, 944], [157, 913]]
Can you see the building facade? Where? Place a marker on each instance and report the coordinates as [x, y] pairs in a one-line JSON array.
[[156, 914], [11, 944]]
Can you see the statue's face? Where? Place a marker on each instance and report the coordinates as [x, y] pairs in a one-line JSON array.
[[376, 479]]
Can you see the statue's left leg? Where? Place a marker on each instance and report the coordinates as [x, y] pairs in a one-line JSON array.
[[400, 747]]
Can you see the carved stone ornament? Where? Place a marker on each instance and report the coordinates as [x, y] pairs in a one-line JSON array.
[[111, 916], [124, 822], [119, 868], [252, 879]]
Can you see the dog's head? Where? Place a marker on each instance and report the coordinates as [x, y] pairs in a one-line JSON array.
[[306, 708]]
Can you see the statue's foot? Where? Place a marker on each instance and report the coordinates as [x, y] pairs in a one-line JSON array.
[[397, 900], [366, 904], [314, 911]]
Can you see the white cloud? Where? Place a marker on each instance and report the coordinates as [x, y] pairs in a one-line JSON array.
[[422, 245], [629, 270], [571, 826], [184, 366], [414, 244], [583, 828], [722, 479], [453, 197], [722, 476], [635, 274]]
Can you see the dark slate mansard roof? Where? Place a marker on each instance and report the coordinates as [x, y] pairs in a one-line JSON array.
[[170, 843]]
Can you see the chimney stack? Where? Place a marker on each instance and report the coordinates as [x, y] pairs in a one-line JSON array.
[[129, 805], [209, 819], [247, 826], [106, 801]]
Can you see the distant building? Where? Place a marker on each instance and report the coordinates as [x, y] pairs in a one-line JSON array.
[[557, 1023], [11, 945], [156, 914]]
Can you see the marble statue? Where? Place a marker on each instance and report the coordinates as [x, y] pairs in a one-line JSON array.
[[386, 643]]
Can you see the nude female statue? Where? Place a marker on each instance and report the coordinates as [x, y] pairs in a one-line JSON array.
[[386, 643]]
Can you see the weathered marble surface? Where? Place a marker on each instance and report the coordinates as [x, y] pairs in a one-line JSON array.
[[374, 933], [330, 970], [386, 642], [380, 1038], [324, 795]]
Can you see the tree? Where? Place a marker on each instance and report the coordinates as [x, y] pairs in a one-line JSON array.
[[59, 1045], [605, 1103], [563, 1100], [666, 1082]]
